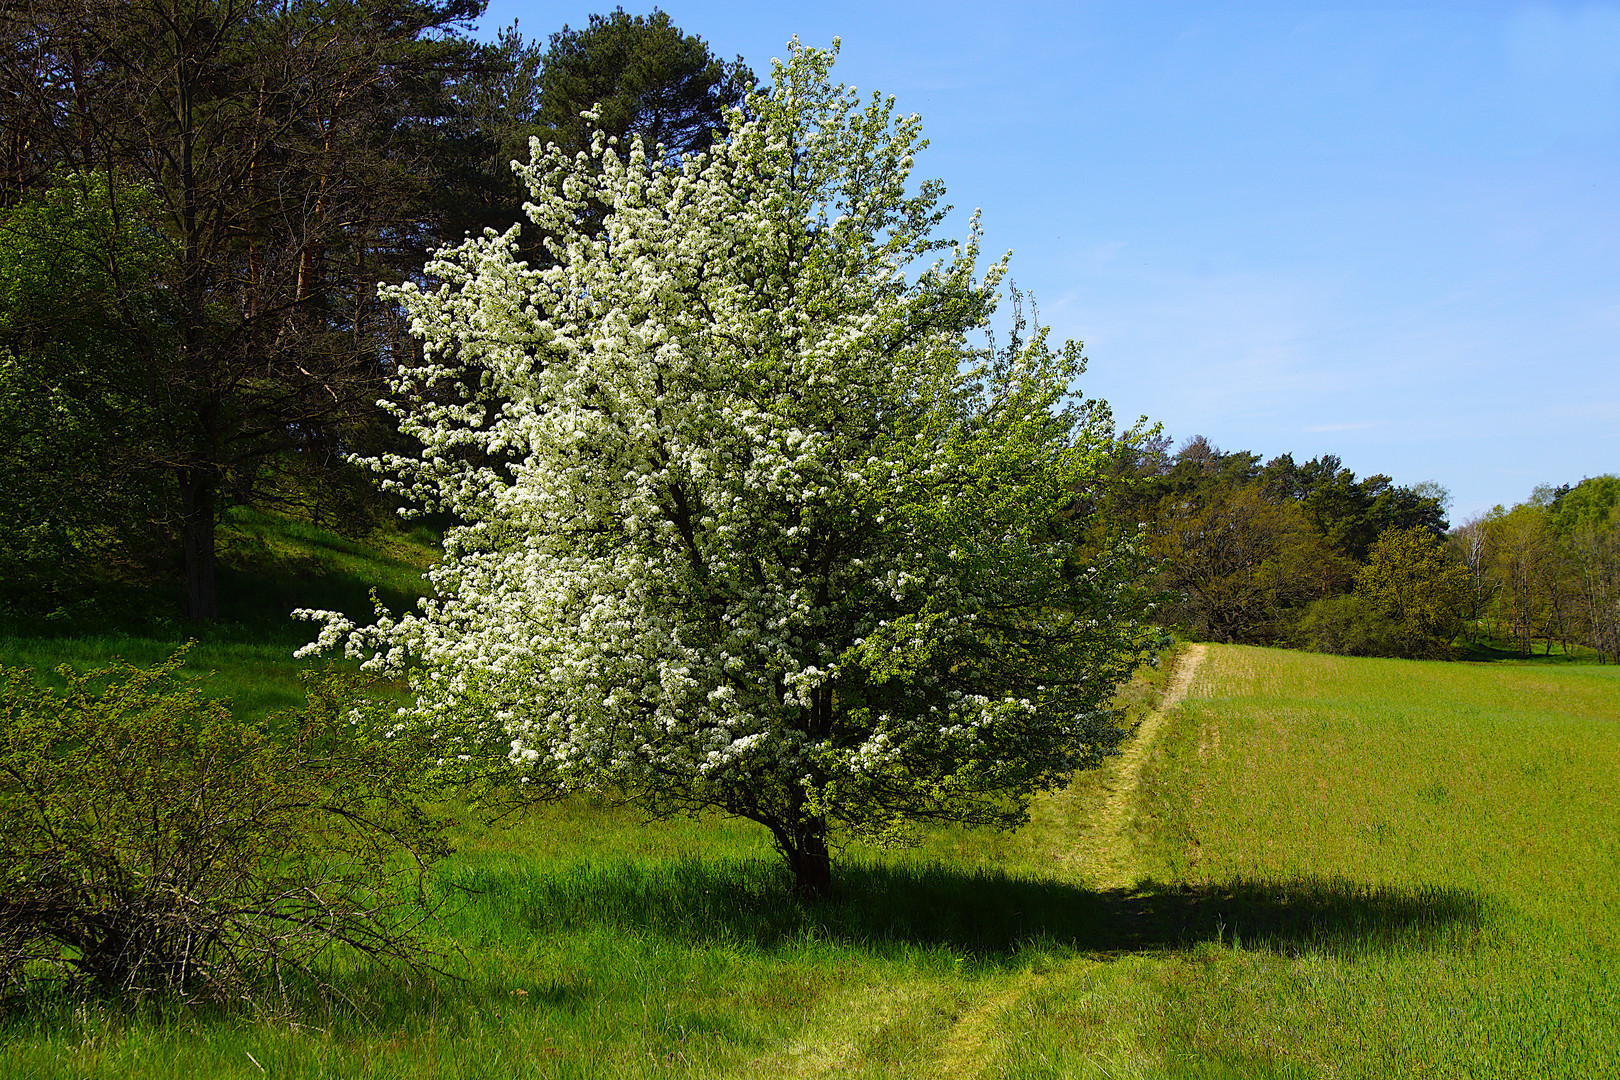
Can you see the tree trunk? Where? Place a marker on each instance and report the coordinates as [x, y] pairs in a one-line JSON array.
[[811, 862], [197, 504]]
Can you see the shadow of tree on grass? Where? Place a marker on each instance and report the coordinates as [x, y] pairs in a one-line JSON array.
[[987, 914], [893, 911]]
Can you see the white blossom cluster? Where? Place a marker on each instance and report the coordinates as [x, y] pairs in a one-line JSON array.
[[746, 520]]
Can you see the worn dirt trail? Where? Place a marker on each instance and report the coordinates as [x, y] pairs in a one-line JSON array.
[[1094, 839]]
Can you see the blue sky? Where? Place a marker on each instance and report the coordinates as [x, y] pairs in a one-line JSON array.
[[1389, 232]]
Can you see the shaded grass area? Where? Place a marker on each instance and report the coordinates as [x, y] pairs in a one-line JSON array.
[[1506, 652], [274, 564], [984, 914], [269, 565], [652, 963], [1484, 642]]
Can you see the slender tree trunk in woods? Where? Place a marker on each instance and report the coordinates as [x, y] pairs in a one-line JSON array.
[[198, 505]]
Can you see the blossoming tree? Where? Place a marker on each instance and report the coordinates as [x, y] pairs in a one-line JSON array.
[[748, 523]]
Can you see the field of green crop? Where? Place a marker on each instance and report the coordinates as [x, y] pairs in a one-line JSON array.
[[1312, 866]]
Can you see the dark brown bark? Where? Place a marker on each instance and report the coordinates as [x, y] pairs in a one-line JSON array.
[[199, 506], [804, 845]]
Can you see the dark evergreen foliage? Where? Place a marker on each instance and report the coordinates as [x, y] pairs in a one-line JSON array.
[[644, 77], [284, 158], [285, 153]]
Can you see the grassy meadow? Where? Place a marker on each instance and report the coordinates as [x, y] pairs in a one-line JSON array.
[[1311, 866]]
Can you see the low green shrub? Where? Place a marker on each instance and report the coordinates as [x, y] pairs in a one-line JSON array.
[[1350, 626], [150, 841]]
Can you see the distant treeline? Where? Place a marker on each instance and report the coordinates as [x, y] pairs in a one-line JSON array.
[[1548, 570], [1307, 554]]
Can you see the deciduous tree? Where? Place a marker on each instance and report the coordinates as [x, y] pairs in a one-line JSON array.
[[1419, 583], [1243, 563], [1527, 565], [1472, 541], [771, 536]]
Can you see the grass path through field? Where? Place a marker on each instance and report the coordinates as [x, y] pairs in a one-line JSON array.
[[1104, 853]]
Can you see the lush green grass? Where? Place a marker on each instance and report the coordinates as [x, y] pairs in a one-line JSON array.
[[269, 565], [1483, 641], [1493, 786], [1348, 868]]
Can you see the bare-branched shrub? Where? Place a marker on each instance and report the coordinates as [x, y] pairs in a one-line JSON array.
[[152, 842]]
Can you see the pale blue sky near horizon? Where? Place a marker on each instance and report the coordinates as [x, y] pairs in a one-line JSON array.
[[1384, 231]]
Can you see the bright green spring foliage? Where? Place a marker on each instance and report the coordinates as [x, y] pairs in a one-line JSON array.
[[150, 841], [1415, 580], [81, 314]]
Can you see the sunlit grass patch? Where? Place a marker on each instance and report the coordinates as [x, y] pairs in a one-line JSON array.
[[1489, 787]]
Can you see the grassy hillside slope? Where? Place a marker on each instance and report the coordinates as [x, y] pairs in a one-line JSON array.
[[269, 565]]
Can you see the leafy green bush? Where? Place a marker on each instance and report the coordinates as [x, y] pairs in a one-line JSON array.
[[151, 842], [1349, 626]]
